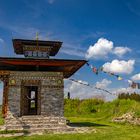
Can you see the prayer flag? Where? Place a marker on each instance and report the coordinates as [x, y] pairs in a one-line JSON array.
[[87, 64], [95, 70], [120, 78]]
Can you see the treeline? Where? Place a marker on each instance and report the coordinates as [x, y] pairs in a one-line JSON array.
[[131, 96]]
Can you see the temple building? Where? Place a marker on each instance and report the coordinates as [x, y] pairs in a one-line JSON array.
[[33, 92]]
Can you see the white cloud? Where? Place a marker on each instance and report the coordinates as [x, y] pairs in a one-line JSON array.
[[100, 49], [103, 48], [103, 84], [78, 90], [117, 66], [81, 91], [136, 77], [124, 90], [120, 51]]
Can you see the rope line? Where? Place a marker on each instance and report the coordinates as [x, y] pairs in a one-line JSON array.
[[91, 86]]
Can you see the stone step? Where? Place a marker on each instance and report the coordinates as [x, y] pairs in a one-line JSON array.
[[43, 121], [37, 119], [35, 128], [35, 125], [58, 129], [14, 128], [41, 116]]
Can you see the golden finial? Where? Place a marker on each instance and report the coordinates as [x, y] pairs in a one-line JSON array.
[[36, 35], [37, 38]]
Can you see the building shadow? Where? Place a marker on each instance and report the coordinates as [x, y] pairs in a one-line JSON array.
[[85, 124]]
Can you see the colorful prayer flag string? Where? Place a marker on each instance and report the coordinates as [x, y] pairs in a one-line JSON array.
[[92, 86], [119, 78]]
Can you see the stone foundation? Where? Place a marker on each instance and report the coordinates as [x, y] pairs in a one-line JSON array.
[[34, 123]]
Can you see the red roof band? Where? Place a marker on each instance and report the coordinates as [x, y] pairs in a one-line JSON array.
[[68, 67]]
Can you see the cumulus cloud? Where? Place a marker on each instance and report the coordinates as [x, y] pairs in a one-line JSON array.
[[103, 84], [124, 90], [78, 90], [100, 49], [136, 77], [117, 66], [120, 51], [103, 47], [81, 91]]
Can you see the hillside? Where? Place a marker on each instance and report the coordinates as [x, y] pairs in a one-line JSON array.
[[97, 108]]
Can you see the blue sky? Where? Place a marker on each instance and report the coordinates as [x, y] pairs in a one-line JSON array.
[[79, 24]]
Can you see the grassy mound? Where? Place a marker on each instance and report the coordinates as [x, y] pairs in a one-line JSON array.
[[99, 108]]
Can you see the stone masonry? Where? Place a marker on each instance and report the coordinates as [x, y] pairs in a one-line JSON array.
[[50, 95]]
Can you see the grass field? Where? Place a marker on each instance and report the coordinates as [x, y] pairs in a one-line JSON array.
[[98, 115]]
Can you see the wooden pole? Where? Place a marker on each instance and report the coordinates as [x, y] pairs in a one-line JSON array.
[[5, 98]]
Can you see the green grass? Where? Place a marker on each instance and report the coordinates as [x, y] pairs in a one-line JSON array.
[[98, 109], [1, 118], [98, 115], [105, 131]]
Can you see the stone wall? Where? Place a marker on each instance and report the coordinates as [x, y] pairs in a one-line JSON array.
[[50, 89], [14, 101], [52, 101]]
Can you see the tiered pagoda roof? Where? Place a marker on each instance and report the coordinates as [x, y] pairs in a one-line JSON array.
[[21, 45], [38, 63]]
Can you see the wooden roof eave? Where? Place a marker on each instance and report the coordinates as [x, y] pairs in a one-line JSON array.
[[68, 67]]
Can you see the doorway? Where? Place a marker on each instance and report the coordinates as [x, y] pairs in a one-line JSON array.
[[29, 100]]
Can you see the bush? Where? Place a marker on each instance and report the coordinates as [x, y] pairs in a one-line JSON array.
[[132, 96]]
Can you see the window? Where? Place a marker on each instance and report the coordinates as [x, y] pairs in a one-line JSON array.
[[32, 104]]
